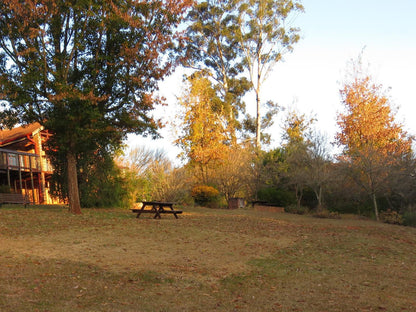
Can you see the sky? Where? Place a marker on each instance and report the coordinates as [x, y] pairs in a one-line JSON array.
[[309, 79]]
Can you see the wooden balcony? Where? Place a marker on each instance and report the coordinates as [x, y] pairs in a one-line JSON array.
[[24, 162]]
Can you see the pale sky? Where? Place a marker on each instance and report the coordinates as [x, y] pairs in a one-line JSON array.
[[333, 32]]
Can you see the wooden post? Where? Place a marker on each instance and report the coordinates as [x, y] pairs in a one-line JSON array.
[[8, 170], [31, 179], [19, 165]]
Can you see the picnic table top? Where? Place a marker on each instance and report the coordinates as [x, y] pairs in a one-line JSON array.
[[157, 203]]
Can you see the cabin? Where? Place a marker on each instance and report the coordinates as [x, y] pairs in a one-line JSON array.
[[24, 166]]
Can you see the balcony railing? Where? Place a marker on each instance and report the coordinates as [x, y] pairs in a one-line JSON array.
[[13, 160]]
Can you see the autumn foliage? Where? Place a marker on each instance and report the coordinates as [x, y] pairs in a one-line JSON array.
[[368, 124], [204, 134], [204, 194], [373, 142]]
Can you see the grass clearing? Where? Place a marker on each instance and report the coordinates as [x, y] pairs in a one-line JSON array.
[[208, 260]]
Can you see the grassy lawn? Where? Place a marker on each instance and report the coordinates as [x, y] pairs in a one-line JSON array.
[[208, 260]]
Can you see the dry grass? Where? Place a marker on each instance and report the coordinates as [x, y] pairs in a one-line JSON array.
[[208, 260]]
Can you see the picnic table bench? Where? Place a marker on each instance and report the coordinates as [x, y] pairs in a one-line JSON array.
[[12, 198], [157, 208]]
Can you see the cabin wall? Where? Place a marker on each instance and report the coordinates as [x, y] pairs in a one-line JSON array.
[[25, 168]]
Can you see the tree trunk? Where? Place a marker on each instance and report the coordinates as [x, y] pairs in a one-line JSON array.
[[318, 194], [73, 192], [299, 195], [258, 124], [375, 206]]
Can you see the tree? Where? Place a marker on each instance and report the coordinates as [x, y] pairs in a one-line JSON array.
[[156, 177], [296, 128], [203, 137], [294, 170], [264, 37], [136, 164], [234, 176], [86, 70], [103, 183], [140, 159], [373, 142], [318, 167], [212, 48], [402, 184], [274, 182]]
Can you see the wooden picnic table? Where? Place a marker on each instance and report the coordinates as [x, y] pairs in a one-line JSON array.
[[157, 208]]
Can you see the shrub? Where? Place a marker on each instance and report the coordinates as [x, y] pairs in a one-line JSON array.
[[204, 194], [409, 218], [277, 196], [391, 217]]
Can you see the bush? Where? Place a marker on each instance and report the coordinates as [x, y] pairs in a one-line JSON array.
[[277, 196], [391, 217], [204, 195], [409, 218]]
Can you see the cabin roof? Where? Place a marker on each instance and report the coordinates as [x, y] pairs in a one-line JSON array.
[[17, 133]]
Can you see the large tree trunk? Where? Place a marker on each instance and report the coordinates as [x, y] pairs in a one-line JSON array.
[[73, 192]]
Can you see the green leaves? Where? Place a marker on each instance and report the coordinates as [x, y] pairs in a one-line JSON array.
[[86, 69], [264, 37], [213, 48]]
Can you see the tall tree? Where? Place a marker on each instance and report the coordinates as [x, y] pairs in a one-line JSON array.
[[373, 142], [203, 137], [296, 128], [264, 35], [213, 48], [86, 70], [318, 171]]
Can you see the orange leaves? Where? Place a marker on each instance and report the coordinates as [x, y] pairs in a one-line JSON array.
[[373, 142], [29, 10], [368, 123], [204, 137]]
